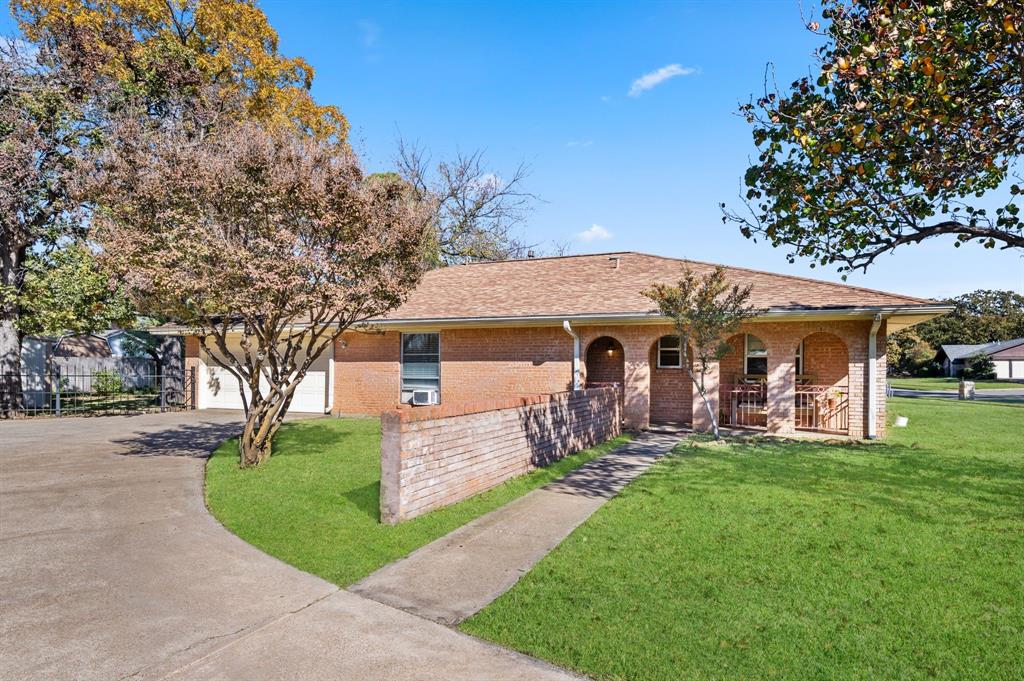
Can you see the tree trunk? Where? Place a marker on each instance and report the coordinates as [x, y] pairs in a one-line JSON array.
[[704, 398], [10, 367], [10, 339], [261, 424]]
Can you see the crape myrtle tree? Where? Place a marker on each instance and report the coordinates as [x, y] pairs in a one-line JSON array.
[[76, 64], [260, 233], [705, 311], [914, 119]]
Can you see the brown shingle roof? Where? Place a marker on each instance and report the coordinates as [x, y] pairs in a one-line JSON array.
[[592, 285]]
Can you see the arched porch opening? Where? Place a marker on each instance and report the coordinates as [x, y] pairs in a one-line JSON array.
[[823, 384], [605, 362], [743, 391]]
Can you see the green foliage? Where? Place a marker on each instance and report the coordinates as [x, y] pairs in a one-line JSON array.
[[107, 382], [979, 367], [981, 316], [66, 291], [914, 115], [315, 503], [784, 560], [704, 311], [908, 355]]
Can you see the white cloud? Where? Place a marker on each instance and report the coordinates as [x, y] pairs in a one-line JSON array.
[[487, 181], [595, 233], [655, 78], [579, 143], [370, 32]]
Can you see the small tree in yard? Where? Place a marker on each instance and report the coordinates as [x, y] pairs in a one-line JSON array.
[[262, 232], [705, 311]]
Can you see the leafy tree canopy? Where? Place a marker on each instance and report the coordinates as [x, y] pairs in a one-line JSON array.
[[65, 291], [705, 310], [979, 317], [916, 113], [161, 51]]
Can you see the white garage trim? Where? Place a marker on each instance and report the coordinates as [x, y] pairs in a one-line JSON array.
[[218, 387]]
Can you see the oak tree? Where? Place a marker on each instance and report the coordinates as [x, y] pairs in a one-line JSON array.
[[914, 119]]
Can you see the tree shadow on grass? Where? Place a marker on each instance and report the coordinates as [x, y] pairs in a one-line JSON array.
[[916, 483], [366, 499]]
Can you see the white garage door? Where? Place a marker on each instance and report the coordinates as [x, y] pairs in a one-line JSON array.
[[1002, 368], [220, 390]]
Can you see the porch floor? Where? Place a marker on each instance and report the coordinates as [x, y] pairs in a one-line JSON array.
[[680, 428]]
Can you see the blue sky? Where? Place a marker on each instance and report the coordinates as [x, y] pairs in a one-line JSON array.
[[550, 84]]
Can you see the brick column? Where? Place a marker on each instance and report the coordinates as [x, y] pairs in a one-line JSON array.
[[637, 389], [782, 387], [701, 422]]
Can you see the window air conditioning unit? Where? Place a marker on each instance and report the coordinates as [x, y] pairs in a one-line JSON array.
[[424, 397]]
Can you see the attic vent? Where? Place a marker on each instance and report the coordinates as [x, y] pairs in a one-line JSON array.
[[615, 259]]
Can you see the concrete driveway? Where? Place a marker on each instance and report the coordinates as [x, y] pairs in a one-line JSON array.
[[111, 568]]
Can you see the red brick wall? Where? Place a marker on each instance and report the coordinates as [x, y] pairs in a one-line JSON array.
[[731, 366], [503, 362], [671, 392], [366, 372], [602, 366], [435, 456], [476, 364], [826, 359]]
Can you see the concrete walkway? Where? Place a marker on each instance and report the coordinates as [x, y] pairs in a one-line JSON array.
[[457, 575], [112, 568]]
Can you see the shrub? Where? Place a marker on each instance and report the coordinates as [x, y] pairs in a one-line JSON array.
[[979, 367], [107, 382]]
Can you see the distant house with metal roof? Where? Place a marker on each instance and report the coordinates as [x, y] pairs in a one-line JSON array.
[[1008, 357]]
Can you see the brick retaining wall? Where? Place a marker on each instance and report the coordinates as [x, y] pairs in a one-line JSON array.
[[435, 456]]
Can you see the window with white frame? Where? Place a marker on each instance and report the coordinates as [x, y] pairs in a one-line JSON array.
[[670, 353], [755, 356], [421, 363], [800, 359]]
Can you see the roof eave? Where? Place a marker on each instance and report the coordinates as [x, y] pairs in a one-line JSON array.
[[899, 316], [908, 315]]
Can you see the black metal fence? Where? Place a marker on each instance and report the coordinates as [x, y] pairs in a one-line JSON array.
[[123, 390]]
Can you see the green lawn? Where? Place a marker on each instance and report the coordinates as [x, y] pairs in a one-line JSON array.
[[943, 383], [314, 504], [767, 560]]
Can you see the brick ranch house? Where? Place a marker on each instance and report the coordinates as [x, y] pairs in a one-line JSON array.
[[813, 361]]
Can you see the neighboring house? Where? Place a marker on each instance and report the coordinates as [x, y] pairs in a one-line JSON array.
[[1007, 356], [814, 360], [82, 345]]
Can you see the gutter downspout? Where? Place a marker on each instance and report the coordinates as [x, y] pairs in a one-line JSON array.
[[873, 377], [575, 355]]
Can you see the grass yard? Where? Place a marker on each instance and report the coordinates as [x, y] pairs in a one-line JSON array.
[[764, 560], [314, 504], [944, 383]]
